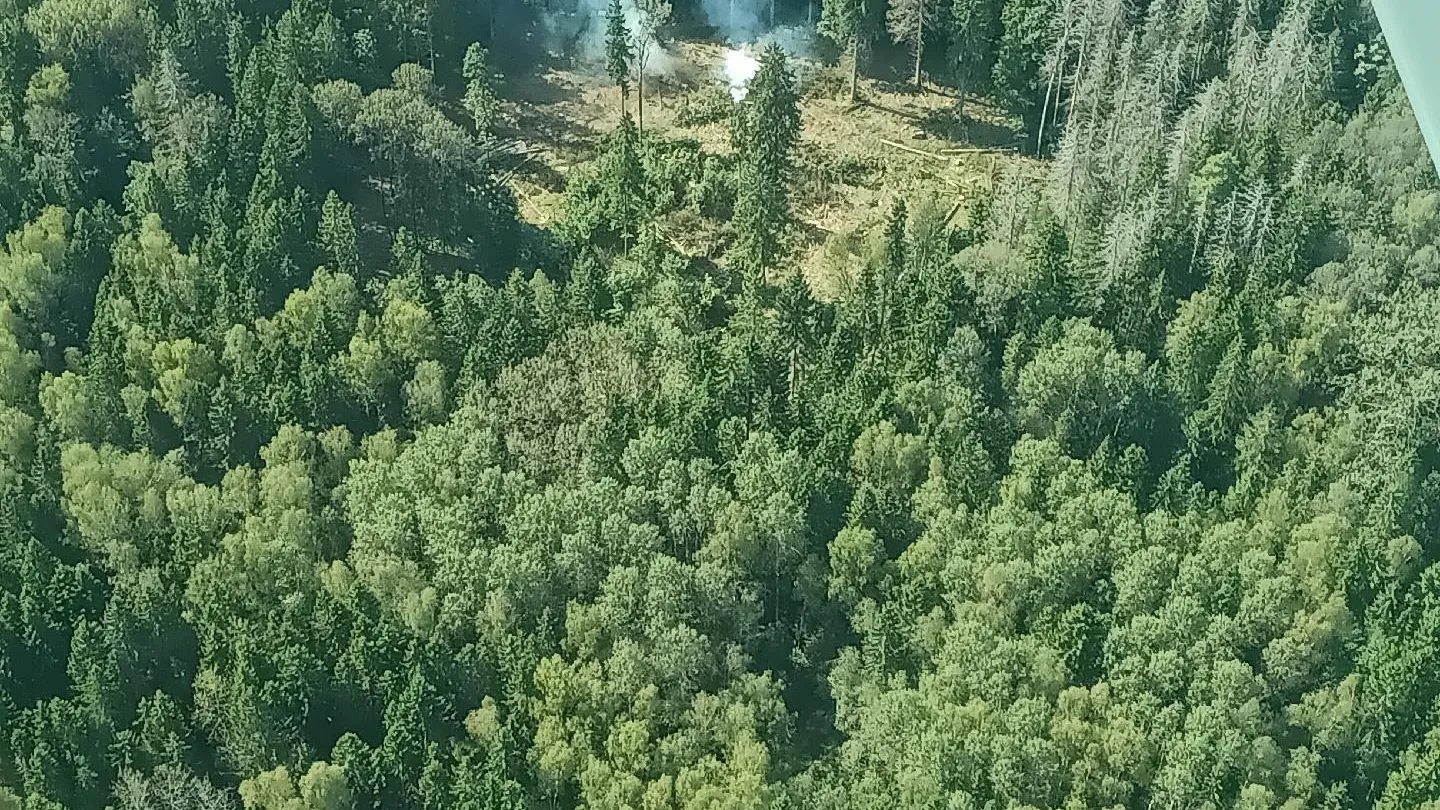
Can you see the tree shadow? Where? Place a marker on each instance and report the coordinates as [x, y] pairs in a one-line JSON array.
[[891, 69], [810, 233], [536, 87], [534, 169], [949, 124], [551, 128], [537, 111], [946, 123], [873, 104]]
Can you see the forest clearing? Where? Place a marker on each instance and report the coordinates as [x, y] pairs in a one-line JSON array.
[[857, 158]]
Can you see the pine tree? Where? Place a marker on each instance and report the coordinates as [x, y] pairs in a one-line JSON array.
[[480, 100], [619, 52], [337, 235], [909, 21], [766, 128]]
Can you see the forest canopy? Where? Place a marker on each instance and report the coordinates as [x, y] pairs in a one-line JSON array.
[[331, 480]]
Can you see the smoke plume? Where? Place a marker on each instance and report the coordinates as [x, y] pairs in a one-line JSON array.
[[739, 67], [582, 33]]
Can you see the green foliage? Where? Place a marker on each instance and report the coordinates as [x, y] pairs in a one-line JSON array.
[[322, 787], [974, 30], [619, 49], [1019, 81], [90, 34], [708, 105], [1079, 389], [480, 99], [766, 127], [327, 484]]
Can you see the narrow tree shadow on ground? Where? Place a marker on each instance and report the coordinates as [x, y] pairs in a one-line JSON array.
[[868, 102], [947, 123]]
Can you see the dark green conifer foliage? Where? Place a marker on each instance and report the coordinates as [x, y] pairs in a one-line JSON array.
[[766, 129], [619, 50], [329, 482], [480, 99]]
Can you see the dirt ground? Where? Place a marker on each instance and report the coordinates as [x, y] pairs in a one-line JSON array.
[[894, 142]]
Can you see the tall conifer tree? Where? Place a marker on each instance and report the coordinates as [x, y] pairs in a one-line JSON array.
[[766, 129]]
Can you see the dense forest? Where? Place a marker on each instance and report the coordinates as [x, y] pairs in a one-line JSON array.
[[330, 482]]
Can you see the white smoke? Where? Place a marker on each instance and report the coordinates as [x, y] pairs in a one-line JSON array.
[[582, 33], [739, 67], [797, 41], [738, 20]]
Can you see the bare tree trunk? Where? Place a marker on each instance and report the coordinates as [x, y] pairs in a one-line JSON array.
[[430, 35], [1052, 86], [772, 13], [640, 99], [1044, 108], [1057, 87], [919, 52], [854, 65]]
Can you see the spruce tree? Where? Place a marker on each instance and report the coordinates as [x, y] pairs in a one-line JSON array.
[[842, 22], [624, 181], [619, 52], [974, 27], [337, 234], [909, 21], [892, 267], [766, 128]]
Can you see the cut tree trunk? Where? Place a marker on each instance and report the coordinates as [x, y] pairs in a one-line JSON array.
[[912, 150]]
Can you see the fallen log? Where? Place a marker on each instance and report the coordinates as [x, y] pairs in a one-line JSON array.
[[911, 149], [954, 209], [1001, 150]]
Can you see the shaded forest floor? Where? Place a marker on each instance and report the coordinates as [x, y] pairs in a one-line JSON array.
[[853, 160]]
